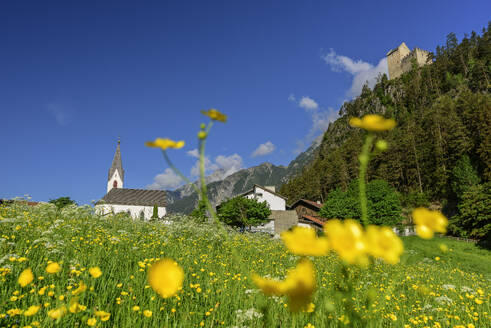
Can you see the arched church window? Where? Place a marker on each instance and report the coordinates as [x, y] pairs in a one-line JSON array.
[[115, 184]]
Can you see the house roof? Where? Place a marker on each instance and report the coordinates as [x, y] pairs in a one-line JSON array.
[[117, 164], [314, 219], [306, 201], [262, 187], [138, 197]]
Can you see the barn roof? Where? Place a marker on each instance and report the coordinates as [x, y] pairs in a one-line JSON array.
[[138, 197]]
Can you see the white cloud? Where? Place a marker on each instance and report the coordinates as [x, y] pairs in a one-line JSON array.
[[308, 103], [229, 164], [62, 114], [264, 149], [361, 71], [166, 180], [321, 118], [221, 167], [193, 152], [291, 97]]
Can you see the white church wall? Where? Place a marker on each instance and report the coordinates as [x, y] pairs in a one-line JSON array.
[[134, 210], [116, 178]]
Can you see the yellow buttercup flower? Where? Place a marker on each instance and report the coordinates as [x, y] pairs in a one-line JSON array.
[[166, 277], [103, 315], [57, 313], [428, 222], [147, 313], [81, 288], [32, 310], [91, 322], [299, 285], [26, 277], [215, 115], [53, 267], [165, 143], [383, 243], [304, 241], [372, 122], [75, 307], [346, 238], [95, 272]]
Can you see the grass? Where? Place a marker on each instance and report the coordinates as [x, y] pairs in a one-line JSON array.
[[217, 291], [465, 255]]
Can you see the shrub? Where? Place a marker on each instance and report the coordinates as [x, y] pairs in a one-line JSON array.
[[62, 202], [384, 206], [243, 212], [199, 214]]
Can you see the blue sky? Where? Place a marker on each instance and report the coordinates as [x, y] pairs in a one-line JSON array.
[[75, 75]]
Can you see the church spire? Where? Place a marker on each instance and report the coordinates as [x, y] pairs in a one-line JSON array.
[[115, 177]]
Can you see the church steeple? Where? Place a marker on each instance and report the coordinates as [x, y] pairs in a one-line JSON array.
[[115, 177]]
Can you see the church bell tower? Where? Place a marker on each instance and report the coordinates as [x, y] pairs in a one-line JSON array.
[[115, 177]]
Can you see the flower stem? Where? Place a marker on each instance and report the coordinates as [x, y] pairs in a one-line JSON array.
[[364, 160], [204, 191], [176, 170]]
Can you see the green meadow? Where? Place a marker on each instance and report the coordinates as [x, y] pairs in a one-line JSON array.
[[438, 283]]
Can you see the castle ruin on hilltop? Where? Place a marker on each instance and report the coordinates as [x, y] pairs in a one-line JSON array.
[[400, 59]]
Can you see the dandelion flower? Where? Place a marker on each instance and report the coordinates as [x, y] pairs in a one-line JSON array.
[[165, 143], [372, 122], [91, 322], [57, 313], [428, 222], [215, 115], [26, 277], [147, 313], [299, 285], [347, 239], [383, 243], [304, 241], [81, 288], [53, 267], [32, 310], [95, 272], [103, 315], [166, 277]]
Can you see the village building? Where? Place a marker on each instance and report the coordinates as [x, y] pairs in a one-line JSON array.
[[268, 194], [139, 203], [308, 213], [400, 60]]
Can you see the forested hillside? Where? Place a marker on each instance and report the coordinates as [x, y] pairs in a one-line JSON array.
[[443, 111]]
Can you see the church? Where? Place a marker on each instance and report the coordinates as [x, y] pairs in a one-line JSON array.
[[139, 203]]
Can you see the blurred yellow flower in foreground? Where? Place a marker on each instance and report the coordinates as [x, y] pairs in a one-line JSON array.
[[165, 143], [32, 310], [147, 313], [81, 288], [53, 267], [26, 277], [347, 239], [428, 222], [304, 241], [103, 315], [91, 322], [372, 122], [95, 272], [299, 285], [75, 307], [215, 115], [57, 313], [166, 277], [383, 243]]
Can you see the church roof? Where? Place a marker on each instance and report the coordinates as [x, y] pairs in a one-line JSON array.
[[138, 197], [117, 164]]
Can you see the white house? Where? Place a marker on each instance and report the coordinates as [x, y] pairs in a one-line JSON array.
[[139, 203], [275, 201]]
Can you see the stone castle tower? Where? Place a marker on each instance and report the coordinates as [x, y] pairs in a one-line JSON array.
[[400, 59], [115, 177]]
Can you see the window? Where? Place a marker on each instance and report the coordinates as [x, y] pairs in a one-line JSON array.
[[115, 184]]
